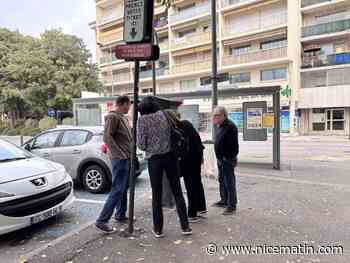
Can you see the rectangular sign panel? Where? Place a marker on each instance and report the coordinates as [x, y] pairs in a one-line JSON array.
[[268, 120], [253, 129], [138, 17], [137, 51]]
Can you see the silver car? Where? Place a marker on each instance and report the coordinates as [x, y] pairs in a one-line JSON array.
[[83, 153]]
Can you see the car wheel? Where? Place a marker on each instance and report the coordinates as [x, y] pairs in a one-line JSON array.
[[95, 179]]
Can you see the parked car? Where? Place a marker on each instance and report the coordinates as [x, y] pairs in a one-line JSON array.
[[32, 189], [82, 151]]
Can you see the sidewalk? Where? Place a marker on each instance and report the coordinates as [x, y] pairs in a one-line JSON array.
[[272, 211]]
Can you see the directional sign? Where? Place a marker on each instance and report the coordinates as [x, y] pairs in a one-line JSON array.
[[138, 18], [137, 52]]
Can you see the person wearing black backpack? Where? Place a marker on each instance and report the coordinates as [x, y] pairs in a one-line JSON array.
[[154, 136], [190, 167]]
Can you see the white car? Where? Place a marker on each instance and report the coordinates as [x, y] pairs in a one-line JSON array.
[[32, 189]]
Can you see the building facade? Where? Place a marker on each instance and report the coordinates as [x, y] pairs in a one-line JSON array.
[[260, 43]]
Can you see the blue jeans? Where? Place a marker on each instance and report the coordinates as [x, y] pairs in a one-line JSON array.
[[227, 180], [117, 198]]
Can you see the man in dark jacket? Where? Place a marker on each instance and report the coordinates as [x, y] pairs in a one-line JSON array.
[[190, 166], [226, 150]]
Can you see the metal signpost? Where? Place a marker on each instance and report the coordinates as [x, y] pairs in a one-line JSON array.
[[138, 30]]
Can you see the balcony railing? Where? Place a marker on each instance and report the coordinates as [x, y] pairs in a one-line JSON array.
[[264, 22], [188, 40], [160, 23], [112, 37], [159, 72], [326, 28], [227, 3], [117, 14], [260, 55], [330, 60], [119, 78], [164, 46], [191, 67], [108, 60], [190, 12], [306, 3]]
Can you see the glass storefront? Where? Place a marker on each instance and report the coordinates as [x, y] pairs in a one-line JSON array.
[[328, 120]]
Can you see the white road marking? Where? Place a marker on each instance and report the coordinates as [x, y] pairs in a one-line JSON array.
[[91, 201]]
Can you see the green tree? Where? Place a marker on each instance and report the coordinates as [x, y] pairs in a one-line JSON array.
[[37, 73]]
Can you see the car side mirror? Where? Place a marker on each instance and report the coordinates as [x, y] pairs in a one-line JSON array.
[[27, 147]]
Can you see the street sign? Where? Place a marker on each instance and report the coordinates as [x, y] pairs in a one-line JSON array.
[[51, 112], [137, 52], [138, 21]]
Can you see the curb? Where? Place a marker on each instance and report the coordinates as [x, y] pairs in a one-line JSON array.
[[27, 257]]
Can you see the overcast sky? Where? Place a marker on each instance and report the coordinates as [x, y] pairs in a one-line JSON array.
[[32, 17]]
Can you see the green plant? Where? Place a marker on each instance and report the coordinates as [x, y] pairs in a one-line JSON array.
[[68, 121], [31, 123], [30, 131], [47, 123]]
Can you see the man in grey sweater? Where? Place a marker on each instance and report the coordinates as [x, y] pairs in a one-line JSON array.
[[117, 136]]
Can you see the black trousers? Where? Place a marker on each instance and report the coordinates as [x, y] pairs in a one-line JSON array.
[[157, 164], [191, 172]]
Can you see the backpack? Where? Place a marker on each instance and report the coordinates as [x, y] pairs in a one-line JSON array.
[[179, 142]]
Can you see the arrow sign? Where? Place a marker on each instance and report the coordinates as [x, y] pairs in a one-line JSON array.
[[133, 33], [138, 17]]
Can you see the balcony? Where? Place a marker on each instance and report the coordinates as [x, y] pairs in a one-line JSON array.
[[326, 28], [159, 72], [107, 60], [251, 57], [306, 3], [193, 39], [330, 60], [116, 79], [110, 36], [265, 22], [227, 3], [191, 67], [164, 46], [160, 23], [110, 16], [192, 12]]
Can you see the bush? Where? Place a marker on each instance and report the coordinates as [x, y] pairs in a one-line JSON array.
[[31, 123], [30, 131], [47, 123], [68, 121], [9, 132]]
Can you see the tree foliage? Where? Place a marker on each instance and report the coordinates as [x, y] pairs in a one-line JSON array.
[[38, 73]]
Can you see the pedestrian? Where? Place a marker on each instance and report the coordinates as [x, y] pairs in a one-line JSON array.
[[153, 137], [190, 167], [226, 150], [118, 138]]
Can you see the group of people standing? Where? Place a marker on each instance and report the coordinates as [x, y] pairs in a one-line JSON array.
[[154, 137]]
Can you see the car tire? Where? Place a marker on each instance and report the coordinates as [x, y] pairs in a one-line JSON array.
[[94, 179]]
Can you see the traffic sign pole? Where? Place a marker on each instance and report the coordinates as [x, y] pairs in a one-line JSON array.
[[132, 177]]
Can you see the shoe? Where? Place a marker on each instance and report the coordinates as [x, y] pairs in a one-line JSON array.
[[187, 231], [220, 204], [195, 219], [105, 228], [158, 234], [229, 211], [203, 214], [124, 220]]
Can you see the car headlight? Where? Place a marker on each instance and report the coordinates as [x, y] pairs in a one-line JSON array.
[[4, 195]]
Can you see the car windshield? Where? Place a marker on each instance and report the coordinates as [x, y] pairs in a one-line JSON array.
[[10, 152]]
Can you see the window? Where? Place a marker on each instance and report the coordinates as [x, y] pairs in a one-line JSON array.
[[340, 47], [274, 74], [240, 78], [236, 51], [186, 32], [46, 140], [274, 44], [183, 8], [73, 138], [188, 85]]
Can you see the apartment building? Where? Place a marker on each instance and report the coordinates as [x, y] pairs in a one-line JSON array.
[[301, 45], [324, 99]]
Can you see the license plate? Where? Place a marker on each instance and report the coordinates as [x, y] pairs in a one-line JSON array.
[[43, 216]]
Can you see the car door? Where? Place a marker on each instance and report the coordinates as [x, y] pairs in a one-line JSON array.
[[71, 150], [44, 144]]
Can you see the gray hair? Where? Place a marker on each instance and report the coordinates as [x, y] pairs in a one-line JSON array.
[[222, 110]]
